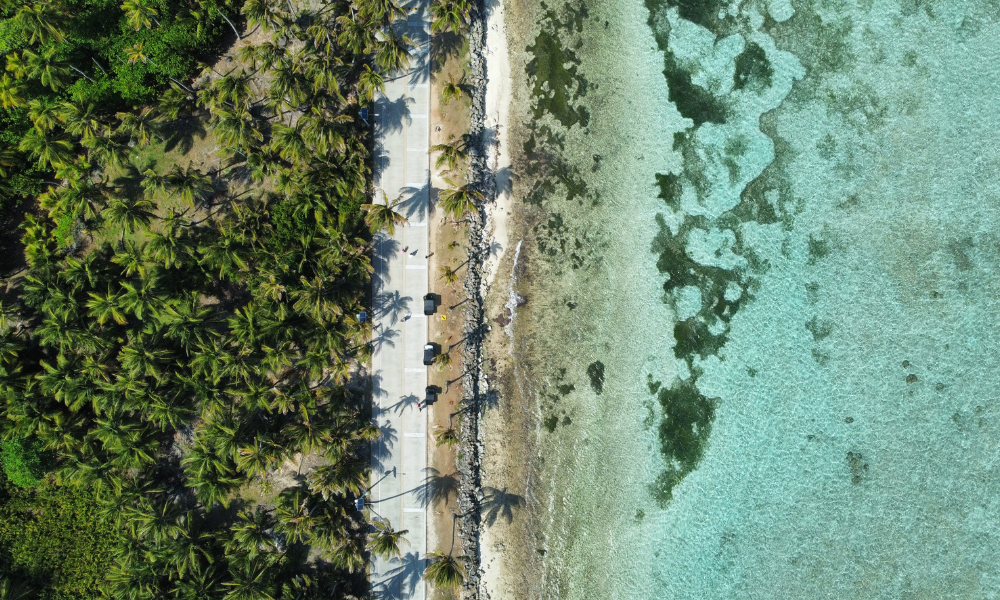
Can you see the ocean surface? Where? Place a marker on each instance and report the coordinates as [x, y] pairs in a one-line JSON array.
[[755, 333]]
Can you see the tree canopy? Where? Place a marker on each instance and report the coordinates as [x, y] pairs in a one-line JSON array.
[[181, 334]]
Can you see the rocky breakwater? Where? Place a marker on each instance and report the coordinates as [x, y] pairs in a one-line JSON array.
[[475, 387]]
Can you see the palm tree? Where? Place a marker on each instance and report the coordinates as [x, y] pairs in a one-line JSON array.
[[48, 150], [383, 217], [459, 200], [450, 15], [11, 92], [392, 51], [136, 53], [107, 152], [346, 476], [237, 129], [264, 55], [452, 153], [444, 571], [385, 540], [295, 514], [129, 214], [40, 22], [260, 13], [383, 11], [446, 436], [43, 115], [45, 68], [443, 360], [448, 275], [81, 119], [355, 35], [106, 307], [140, 13], [233, 89], [253, 532], [140, 126], [192, 185], [289, 143], [370, 82], [175, 101], [452, 90]]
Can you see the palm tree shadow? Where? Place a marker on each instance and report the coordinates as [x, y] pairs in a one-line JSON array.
[[393, 113], [182, 135], [415, 207], [404, 403], [504, 179], [380, 159], [385, 337], [391, 305], [489, 137], [376, 380], [383, 250], [437, 488], [444, 45], [500, 503], [402, 578], [419, 68], [382, 449]]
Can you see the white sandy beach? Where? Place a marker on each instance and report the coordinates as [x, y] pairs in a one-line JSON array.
[[498, 97]]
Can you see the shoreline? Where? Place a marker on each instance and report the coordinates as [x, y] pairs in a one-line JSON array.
[[474, 384], [499, 94]]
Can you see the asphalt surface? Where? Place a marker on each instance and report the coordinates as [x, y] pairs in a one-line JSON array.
[[399, 459]]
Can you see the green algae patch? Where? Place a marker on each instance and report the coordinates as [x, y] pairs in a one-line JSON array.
[[692, 101], [556, 80], [596, 374], [684, 431], [670, 189], [693, 337], [702, 12], [753, 70]]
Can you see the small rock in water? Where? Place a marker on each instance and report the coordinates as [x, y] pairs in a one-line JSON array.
[[911, 378]]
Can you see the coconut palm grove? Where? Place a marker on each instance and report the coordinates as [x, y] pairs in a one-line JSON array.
[[185, 253]]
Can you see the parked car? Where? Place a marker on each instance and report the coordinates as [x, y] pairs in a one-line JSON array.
[[430, 351], [431, 302], [431, 394]]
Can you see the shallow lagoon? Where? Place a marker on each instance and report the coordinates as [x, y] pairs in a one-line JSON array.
[[799, 358]]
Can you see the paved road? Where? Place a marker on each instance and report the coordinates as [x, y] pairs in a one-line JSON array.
[[400, 282]]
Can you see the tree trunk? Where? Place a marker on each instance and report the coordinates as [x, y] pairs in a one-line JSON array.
[[238, 36], [82, 73], [186, 88]]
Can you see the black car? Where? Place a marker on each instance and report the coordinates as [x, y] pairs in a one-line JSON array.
[[430, 351], [431, 302], [431, 394]]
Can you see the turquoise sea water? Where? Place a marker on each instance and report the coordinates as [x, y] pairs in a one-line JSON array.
[[761, 253]]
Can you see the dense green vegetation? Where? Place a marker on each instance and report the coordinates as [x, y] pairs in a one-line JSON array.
[[64, 59], [180, 337], [57, 539]]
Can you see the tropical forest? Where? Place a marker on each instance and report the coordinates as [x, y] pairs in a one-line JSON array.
[[186, 256]]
